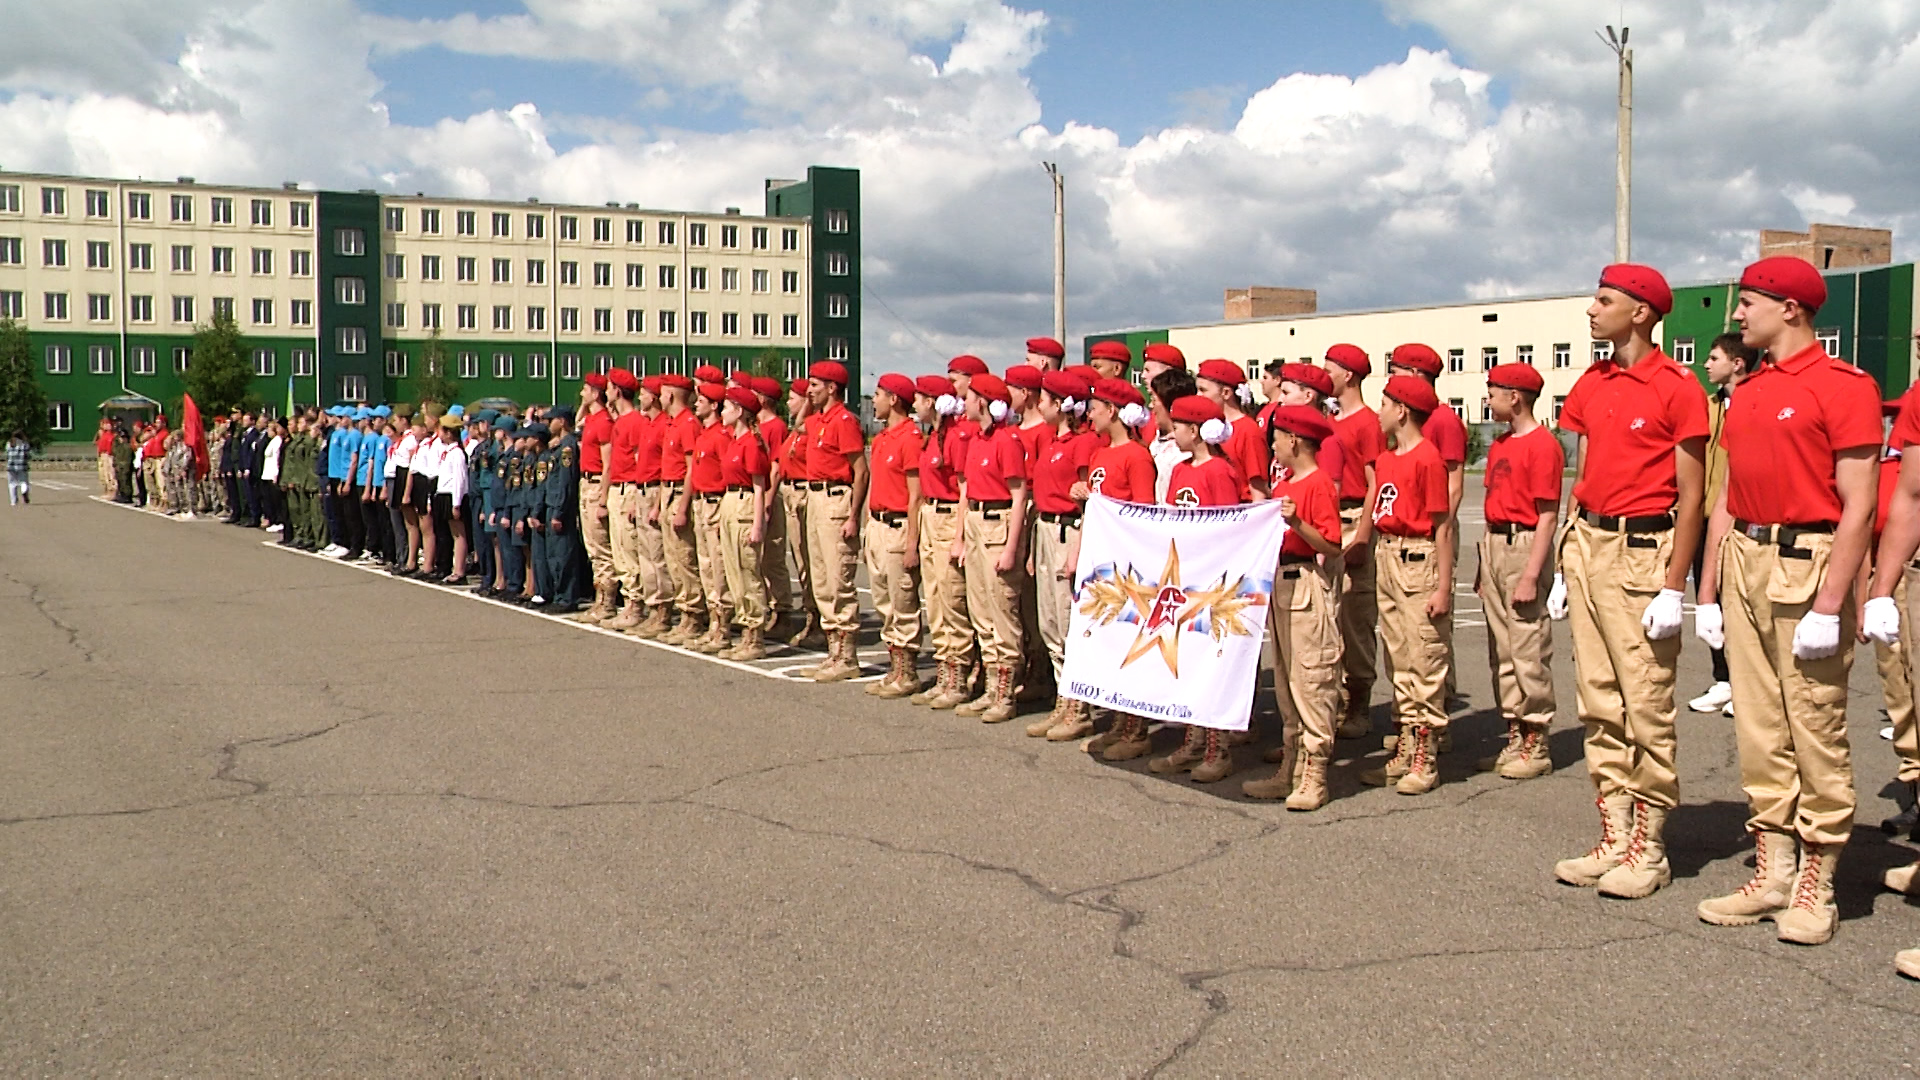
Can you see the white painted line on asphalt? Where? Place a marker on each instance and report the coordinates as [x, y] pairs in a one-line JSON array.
[[60, 485], [104, 501]]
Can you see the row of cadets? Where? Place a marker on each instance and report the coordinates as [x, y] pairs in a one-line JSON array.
[[836, 489], [775, 548], [1357, 429], [1448, 434], [891, 535], [679, 431], [745, 471], [490, 496], [633, 522], [990, 546], [596, 530], [790, 472], [939, 402], [706, 486], [1245, 448], [1034, 678]]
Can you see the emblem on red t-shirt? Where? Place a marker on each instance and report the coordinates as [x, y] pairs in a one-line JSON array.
[[1096, 478], [1389, 492]]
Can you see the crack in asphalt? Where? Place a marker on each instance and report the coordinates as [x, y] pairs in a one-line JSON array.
[[72, 633]]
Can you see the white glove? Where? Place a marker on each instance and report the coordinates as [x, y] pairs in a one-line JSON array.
[[1880, 620], [1663, 615], [1709, 626], [1557, 599], [1817, 637]]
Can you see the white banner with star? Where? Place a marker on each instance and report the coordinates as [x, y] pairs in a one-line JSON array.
[[1170, 609]]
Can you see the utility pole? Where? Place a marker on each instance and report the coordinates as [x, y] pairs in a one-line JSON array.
[[1059, 251], [1623, 155]]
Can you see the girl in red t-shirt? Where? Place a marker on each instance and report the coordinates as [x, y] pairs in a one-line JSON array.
[[744, 469], [1205, 478], [1062, 463], [943, 579], [994, 485]]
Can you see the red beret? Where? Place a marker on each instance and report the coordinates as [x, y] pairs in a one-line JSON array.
[[799, 387], [712, 391], [1351, 357], [1516, 377], [624, 379], [1413, 392], [1046, 346], [1162, 353], [1066, 384], [1110, 350], [741, 377], [653, 383], [1024, 376], [1784, 277], [829, 371], [674, 378], [989, 386], [1304, 421], [708, 373], [933, 385], [595, 380], [1195, 409], [1224, 372], [1643, 283], [898, 385], [1421, 358], [1087, 372], [1307, 375], [1117, 392], [967, 364], [744, 397], [766, 386]]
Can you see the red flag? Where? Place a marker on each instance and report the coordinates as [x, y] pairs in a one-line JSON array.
[[195, 437]]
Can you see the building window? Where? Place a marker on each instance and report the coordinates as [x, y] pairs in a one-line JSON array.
[[54, 307], [99, 307], [697, 278], [570, 366], [466, 268], [468, 365], [1523, 354], [430, 221], [793, 368], [349, 242], [263, 361], [13, 304], [729, 324], [97, 203], [536, 271], [1459, 408], [1682, 350], [603, 275], [536, 318], [396, 218], [569, 227], [636, 231], [729, 279], [396, 364], [569, 272], [99, 255], [837, 306], [790, 326], [139, 206], [1489, 357], [262, 261], [1602, 350], [836, 348], [429, 268], [221, 210], [397, 315], [536, 226], [223, 307], [300, 215], [10, 248], [1456, 360], [665, 233], [140, 360], [502, 317], [59, 359], [667, 275], [696, 234], [396, 266], [300, 263], [53, 252], [466, 317], [99, 359], [139, 256], [760, 325], [299, 313], [262, 311], [350, 290], [603, 320], [303, 363], [761, 281], [60, 415], [536, 365], [1563, 355], [636, 276], [53, 200], [1829, 339], [353, 388], [263, 213], [569, 320], [790, 282], [140, 309], [502, 365], [463, 224], [182, 359], [502, 225], [602, 230], [503, 271], [352, 340], [758, 235], [665, 321], [730, 236], [429, 316], [602, 363], [789, 239], [222, 260], [838, 221], [837, 264], [636, 321]]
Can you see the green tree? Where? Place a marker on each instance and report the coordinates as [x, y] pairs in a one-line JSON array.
[[435, 385], [23, 405], [219, 375], [772, 363]]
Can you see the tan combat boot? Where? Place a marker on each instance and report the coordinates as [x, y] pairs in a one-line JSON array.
[[685, 632], [810, 636], [1396, 766], [1310, 789], [939, 683], [1507, 752], [1616, 822], [603, 609], [976, 705], [717, 639], [954, 693], [842, 661], [1216, 764], [1903, 879], [1767, 895], [752, 645], [1644, 870], [906, 678], [885, 683], [1907, 962], [1075, 722], [656, 624], [1001, 705], [1423, 768], [1039, 728], [1531, 760], [1193, 749], [629, 617], [1812, 917], [1131, 738]]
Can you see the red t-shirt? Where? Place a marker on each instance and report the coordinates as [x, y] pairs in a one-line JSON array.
[[1034, 440], [895, 454], [993, 460], [709, 457], [104, 443], [1792, 417], [1906, 426], [1124, 472], [623, 450], [745, 459], [1634, 419], [941, 458], [791, 453], [1521, 471], [647, 455], [1317, 503], [1889, 480], [773, 433], [1448, 434], [1246, 453], [1361, 442], [1330, 459], [832, 436], [1213, 482], [1057, 469], [1413, 488], [596, 431], [677, 436]]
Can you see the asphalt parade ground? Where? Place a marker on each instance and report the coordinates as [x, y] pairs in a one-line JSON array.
[[265, 813]]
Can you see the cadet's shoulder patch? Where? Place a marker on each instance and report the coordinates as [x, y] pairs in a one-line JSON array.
[[566, 457]]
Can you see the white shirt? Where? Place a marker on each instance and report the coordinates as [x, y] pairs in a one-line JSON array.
[[426, 459], [270, 472], [452, 476], [1166, 454], [402, 455]]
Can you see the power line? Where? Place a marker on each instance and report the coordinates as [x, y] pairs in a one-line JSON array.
[[908, 327]]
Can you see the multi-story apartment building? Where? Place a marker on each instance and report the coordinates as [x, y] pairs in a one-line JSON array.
[[339, 294]]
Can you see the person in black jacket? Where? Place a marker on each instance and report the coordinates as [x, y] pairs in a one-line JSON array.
[[257, 495]]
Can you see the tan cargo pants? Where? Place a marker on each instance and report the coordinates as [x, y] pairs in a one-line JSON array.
[[1417, 646], [1359, 616], [709, 550], [896, 589], [1307, 647], [742, 560], [793, 501], [773, 555], [1789, 715], [623, 540], [1519, 637], [1897, 687], [678, 547], [943, 584], [1053, 593], [831, 557], [596, 531], [993, 596]]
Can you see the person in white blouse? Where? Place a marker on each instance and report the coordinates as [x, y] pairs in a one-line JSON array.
[[270, 479], [406, 520]]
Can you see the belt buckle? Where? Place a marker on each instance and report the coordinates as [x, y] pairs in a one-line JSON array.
[[1756, 532]]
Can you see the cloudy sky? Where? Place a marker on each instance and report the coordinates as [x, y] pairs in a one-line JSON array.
[[1390, 153]]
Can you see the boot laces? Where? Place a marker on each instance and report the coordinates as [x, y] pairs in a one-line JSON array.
[[1606, 831], [1423, 738], [1761, 867], [1637, 840], [1806, 891]]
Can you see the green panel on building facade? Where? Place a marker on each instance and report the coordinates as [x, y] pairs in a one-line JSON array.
[[338, 215], [1133, 339], [830, 199]]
